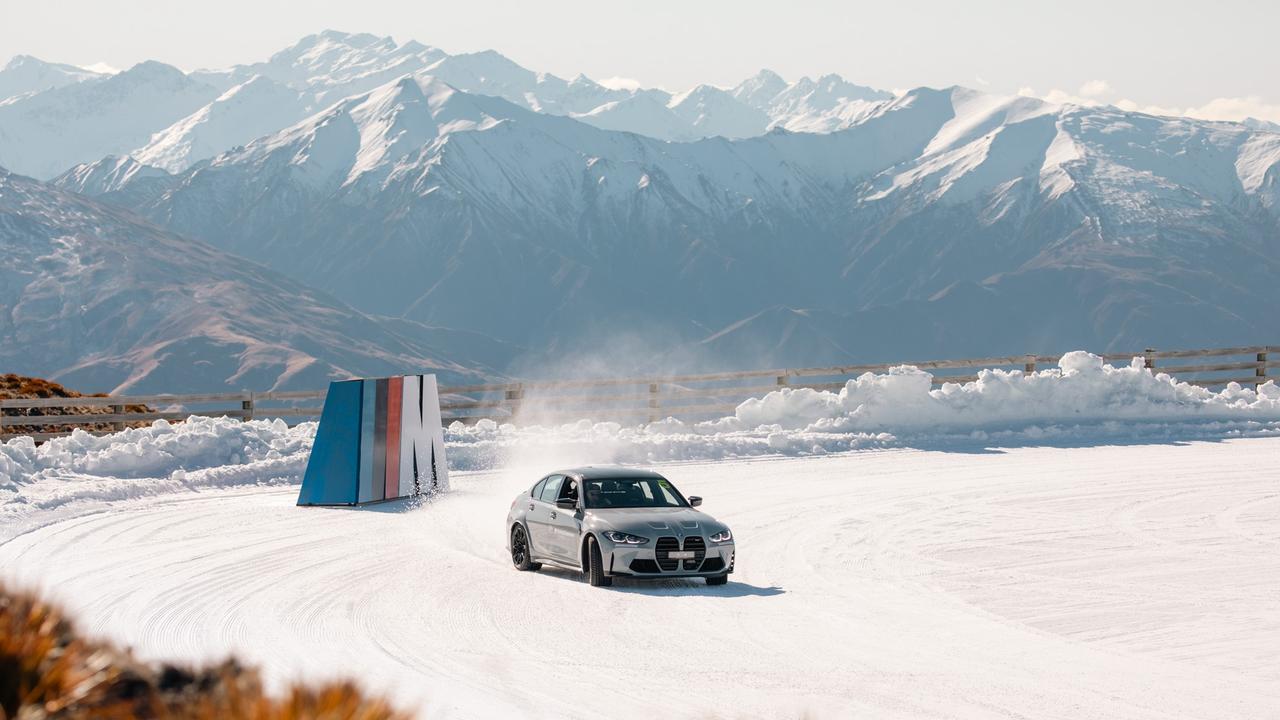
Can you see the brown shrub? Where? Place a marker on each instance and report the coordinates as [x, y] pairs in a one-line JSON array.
[[49, 672]]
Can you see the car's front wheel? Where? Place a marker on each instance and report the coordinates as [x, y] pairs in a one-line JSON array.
[[521, 556], [595, 565], [717, 579]]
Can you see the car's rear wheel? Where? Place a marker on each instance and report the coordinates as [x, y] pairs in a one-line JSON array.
[[717, 579], [595, 565], [521, 556]]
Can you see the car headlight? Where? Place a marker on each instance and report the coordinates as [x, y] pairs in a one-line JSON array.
[[722, 536], [622, 538]]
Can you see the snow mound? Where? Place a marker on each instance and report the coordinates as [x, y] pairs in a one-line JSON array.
[[1083, 401], [78, 473], [1081, 389]]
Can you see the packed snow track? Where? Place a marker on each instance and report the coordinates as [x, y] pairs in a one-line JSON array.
[[1109, 582]]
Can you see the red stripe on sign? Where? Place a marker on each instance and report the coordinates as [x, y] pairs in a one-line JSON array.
[[395, 403]]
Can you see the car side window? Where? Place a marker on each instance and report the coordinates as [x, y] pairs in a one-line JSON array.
[[537, 489], [569, 490], [551, 489]]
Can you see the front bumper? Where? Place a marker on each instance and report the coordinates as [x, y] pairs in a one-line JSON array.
[[651, 559]]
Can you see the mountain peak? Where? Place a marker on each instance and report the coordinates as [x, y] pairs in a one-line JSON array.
[[413, 46], [331, 41], [31, 66], [153, 70], [18, 61], [765, 75], [355, 39], [760, 88]]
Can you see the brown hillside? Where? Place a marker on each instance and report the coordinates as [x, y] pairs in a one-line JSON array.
[[19, 387]]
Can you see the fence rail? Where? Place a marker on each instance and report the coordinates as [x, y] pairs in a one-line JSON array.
[[637, 398]]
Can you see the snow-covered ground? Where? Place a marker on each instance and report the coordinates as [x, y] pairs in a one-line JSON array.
[[1116, 582], [1087, 541]]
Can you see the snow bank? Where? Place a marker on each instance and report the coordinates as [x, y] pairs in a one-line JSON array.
[[75, 474], [1083, 401], [1081, 389]]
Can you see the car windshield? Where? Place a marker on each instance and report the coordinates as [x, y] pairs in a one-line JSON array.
[[632, 493]]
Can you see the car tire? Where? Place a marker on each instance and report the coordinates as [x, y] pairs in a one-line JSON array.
[[717, 579], [595, 565], [521, 553]]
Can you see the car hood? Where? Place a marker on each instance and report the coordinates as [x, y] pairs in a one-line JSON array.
[[653, 522]]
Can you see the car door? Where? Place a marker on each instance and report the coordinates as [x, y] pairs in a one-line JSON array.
[[565, 525], [541, 531]]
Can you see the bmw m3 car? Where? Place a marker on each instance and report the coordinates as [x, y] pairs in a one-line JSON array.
[[612, 522]]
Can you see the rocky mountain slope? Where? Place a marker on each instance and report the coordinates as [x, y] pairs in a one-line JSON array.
[[99, 298]]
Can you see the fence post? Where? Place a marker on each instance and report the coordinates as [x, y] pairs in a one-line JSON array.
[[247, 407], [654, 403], [514, 395], [1149, 361], [1261, 372], [1030, 365], [118, 425]]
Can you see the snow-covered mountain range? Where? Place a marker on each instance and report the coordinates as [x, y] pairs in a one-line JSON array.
[[771, 223], [162, 117], [1059, 225], [102, 299]]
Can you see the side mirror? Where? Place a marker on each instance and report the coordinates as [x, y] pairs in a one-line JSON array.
[[694, 501], [566, 504]]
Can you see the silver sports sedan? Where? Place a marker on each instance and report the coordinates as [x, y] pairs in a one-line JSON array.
[[617, 522]]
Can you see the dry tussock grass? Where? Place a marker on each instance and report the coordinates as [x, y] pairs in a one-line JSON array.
[[17, 386], [49, 672]]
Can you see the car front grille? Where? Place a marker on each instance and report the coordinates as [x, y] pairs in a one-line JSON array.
[[661, 549], [699, 547], [714, 564]]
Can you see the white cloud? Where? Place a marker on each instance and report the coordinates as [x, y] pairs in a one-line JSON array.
[[101, 67], [621, 83], [1095, 88], [1100, 92], [1060, 97], [1237, 108], [1131, 106]]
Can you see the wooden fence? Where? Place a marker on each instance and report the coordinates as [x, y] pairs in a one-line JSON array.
[[645, 399]]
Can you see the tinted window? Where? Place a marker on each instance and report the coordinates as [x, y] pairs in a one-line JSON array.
[[537, 489], [632, 493], [552, 489]]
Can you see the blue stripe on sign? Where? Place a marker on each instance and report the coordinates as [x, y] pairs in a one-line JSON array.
[[368, 407], [335, 454]]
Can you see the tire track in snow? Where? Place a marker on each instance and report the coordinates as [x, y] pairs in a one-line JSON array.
[[1038, 583]]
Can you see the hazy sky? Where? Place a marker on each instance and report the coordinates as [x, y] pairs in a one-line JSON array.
[[1173, 54]]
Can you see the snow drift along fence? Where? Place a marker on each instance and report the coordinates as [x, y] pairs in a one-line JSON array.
[[624, 399]]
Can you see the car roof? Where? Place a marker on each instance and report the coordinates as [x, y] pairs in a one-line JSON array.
[[604, 472]]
